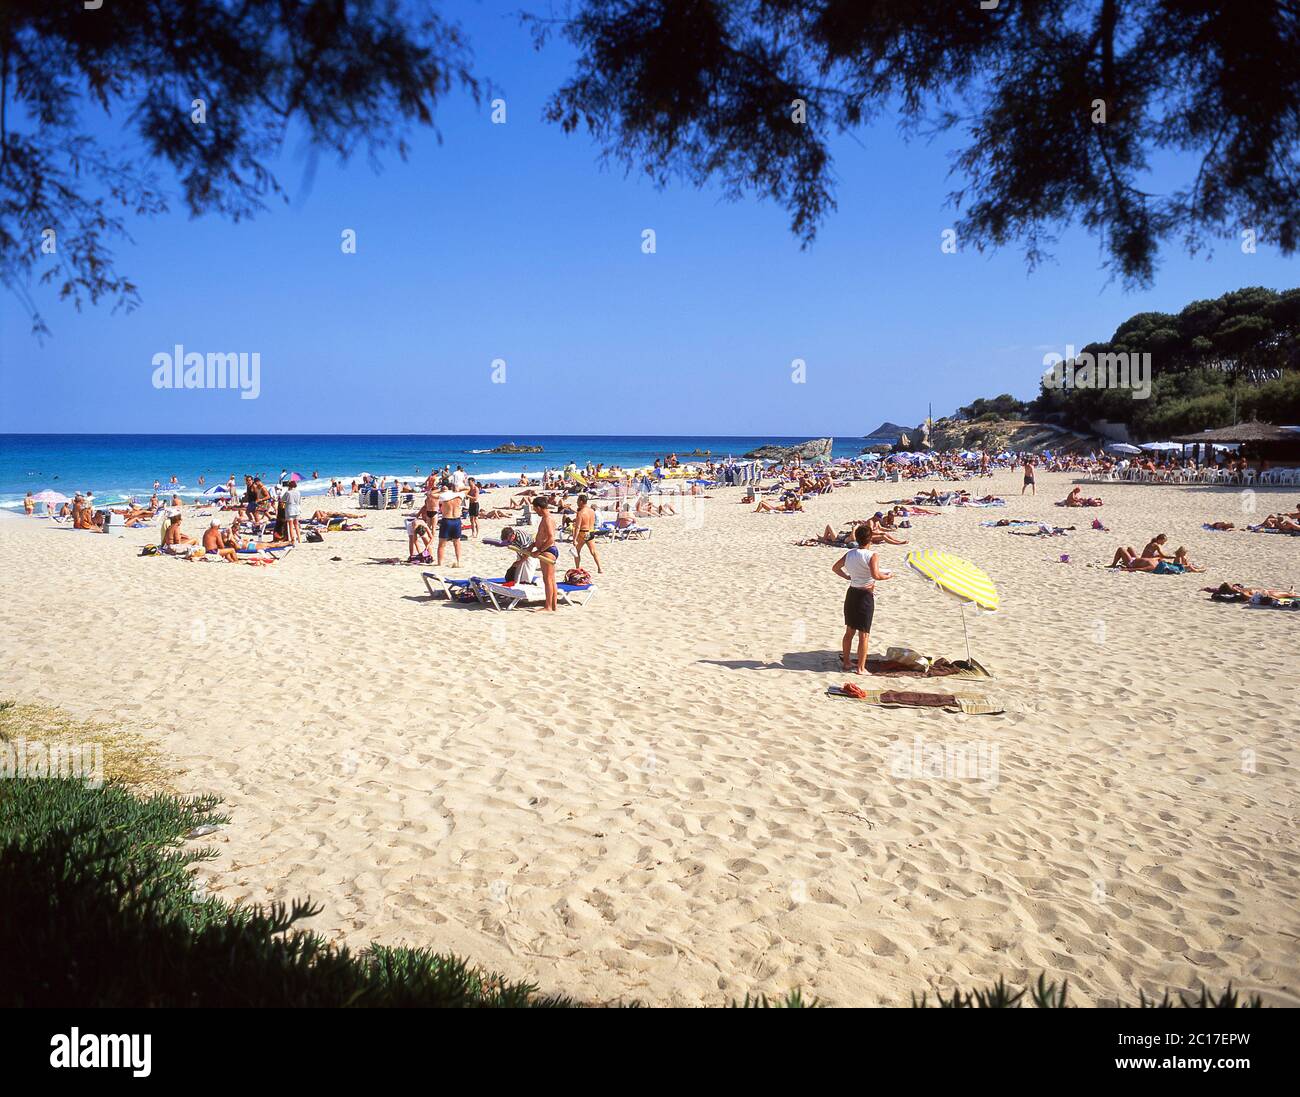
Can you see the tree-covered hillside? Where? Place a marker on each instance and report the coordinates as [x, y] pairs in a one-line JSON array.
[[1215, 362]]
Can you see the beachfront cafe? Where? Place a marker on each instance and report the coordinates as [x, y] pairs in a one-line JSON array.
[[1271, 452]]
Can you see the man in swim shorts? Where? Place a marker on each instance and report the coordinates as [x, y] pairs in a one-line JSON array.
[[449, 523], [472, 493], [214, 543]]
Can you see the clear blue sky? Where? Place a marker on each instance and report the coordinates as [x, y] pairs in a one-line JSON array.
[[510, 241]]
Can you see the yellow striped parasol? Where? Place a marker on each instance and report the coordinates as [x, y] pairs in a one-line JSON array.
[[958, 577]]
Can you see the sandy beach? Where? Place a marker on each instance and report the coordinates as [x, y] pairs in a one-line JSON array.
[[653, 798]]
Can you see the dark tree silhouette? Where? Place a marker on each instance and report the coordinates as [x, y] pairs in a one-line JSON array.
[[705, 89], [349, 75]]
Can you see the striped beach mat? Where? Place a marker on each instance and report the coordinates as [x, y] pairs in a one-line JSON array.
[[933, 668], [972, 704]]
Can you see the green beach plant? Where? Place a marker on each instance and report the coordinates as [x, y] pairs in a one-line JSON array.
[[100, 908]]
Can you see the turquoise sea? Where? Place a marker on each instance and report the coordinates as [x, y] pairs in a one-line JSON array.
[[115, 466]]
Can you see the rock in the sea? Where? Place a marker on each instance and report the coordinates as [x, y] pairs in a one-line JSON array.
[[816, 449], [512, 447]]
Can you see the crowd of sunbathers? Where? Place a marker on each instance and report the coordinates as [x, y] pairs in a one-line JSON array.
[[958, 497], [1282, 522], [226, 543], [881, 526], [83, 514]]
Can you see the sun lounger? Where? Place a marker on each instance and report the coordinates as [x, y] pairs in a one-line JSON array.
[[566, 592], [628, 533], [448, 585], [502, 597]]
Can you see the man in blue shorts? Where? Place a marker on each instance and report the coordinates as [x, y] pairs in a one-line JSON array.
[[450, 504]]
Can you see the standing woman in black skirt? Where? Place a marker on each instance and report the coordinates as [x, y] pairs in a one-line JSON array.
[[861, 567]]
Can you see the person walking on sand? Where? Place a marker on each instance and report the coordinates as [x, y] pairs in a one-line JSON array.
[[1029, 477], [546, 551], [584, 533], [861, 567]]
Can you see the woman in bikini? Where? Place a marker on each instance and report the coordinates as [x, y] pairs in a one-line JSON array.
[[584, 533], [1152, 557], [546, 552]]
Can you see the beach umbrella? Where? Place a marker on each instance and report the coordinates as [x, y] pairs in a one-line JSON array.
[[294, 477], [219, 489], [958, 578], [49, 496], [1122, 447]]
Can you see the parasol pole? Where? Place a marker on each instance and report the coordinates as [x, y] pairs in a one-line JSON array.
[[962, 607]]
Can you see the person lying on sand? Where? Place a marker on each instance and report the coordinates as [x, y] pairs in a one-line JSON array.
[[1220, 525], [1235, 592], [792, 504], [829, 537], [1283, 522], [645, 508], [1152, 557], [326, 516]]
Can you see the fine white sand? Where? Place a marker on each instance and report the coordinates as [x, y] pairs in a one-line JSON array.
[[653, 798]]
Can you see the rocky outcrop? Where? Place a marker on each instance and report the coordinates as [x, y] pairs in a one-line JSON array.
[[885, 434], [511, 447], [1015, 435], [816, 449]]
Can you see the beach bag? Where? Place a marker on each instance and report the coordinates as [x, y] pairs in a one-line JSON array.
[[907, 657], [478, 592], [313, 535], [578, 577], [151, 550]]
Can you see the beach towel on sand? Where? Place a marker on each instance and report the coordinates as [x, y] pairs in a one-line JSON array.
[[972, 704], [890, 666]]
